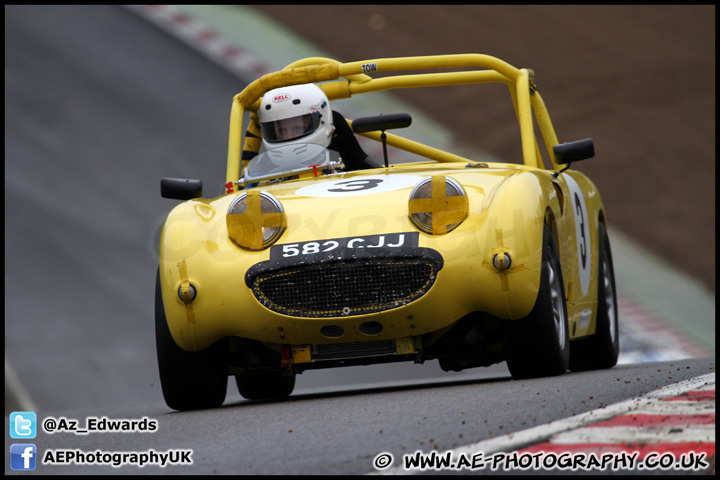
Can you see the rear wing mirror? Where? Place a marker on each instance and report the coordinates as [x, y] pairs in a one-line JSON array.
[[382, 123]]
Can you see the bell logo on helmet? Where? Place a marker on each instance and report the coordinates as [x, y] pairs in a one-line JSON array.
[[281, 97]]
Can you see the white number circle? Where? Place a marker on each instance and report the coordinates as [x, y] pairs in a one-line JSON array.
[[360, 185]]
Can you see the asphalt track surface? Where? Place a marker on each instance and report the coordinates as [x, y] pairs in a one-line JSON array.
[[99, 106]]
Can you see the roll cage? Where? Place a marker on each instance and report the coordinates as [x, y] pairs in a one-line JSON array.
[[353, 79]]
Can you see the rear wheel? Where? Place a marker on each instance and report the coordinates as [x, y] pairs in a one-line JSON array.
[[539, 345], [265, 386], [190, 380], [600, 350]]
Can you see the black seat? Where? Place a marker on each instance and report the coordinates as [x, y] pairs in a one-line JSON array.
[[345, 143]]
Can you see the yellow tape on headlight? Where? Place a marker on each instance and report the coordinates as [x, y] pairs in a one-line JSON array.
[[255, 220], [438, 205]]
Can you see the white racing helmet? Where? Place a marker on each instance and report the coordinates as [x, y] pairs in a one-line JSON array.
[[295, 114]]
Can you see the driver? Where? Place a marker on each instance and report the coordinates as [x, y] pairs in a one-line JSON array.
[[302, 114], [295, 114]]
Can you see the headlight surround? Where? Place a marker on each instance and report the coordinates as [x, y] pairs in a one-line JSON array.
[[255, 220], [438, 204]]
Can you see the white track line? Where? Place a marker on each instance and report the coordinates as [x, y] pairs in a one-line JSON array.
[[540, 433]]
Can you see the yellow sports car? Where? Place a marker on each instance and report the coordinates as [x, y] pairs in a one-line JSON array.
[[319, 255]]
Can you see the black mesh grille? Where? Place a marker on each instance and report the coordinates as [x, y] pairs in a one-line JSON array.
[[344, 288]]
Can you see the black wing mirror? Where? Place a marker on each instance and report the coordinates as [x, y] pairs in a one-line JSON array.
[[180, 188], [569, 152], [574, 151]]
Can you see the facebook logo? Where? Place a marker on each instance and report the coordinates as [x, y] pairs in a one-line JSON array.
[[23, 425], [22, 456]]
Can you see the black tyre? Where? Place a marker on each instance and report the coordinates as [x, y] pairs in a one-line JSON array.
[[265, 386], [539, 344], [189, 380], [601, 349]]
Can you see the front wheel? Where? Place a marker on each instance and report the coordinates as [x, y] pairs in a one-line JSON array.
[[189, 380], [539, 344]]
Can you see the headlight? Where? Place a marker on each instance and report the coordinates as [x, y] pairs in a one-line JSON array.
[[255, 220], [438, 204]]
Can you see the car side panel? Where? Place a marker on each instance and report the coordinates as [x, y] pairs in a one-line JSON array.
[[579, 250]]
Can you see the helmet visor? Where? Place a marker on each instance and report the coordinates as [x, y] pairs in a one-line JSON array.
[[290, 128]]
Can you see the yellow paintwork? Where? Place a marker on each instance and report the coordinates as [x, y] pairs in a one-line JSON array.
[[506, 208]]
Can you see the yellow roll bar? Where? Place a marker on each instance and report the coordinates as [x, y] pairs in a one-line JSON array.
[[354, 79]]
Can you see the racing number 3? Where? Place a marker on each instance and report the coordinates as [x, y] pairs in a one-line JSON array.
[[582, 232], [583, 245], [361, 185], [356, 185]]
